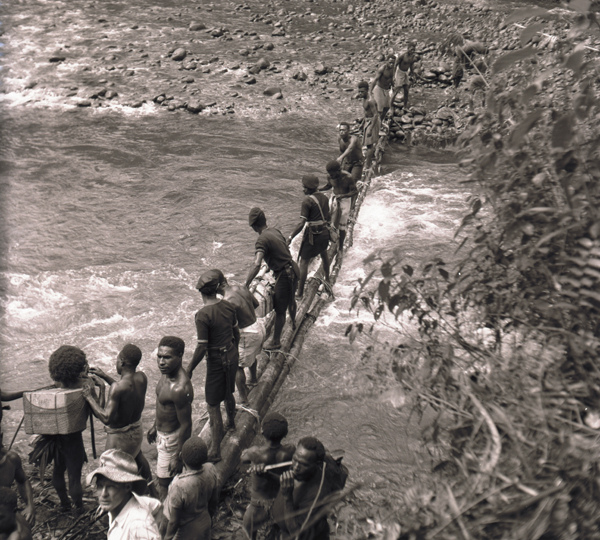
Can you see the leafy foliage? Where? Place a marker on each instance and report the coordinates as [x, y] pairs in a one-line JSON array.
[[503, 367]]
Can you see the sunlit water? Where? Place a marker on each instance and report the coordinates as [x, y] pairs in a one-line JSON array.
[[110, 219]]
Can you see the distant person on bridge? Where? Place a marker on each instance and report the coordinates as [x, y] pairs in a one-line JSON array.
[[403, 69], [344, 189], [252, 333], [218, 339], [372, 123], [265, 484], [122, 415], [351, 158], [272, 247], [380, 86], [315, 215], [173, 424]]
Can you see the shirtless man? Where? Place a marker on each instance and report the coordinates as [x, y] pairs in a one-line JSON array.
[[403, 68], [122, 416], [173, 424], [13, 526], [372, 122], [351, 157], [11, 470], [265, 484], [344, 188], [252, 333], [8, 396], [380, 86]]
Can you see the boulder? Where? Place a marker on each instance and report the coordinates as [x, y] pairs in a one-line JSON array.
[[189, 65], [179, 54], [254, 70], [195, 106], [300, 76], [110, 94], [272, 91], [57, 58], [321, 69], [263, 63], [195, 26], [249, 80]]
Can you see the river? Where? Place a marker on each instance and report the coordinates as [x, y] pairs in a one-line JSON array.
[[110, 214]]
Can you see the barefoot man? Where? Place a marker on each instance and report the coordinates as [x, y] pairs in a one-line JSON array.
[[173, 424], [122, 416], [344, 188], [380, 86], [403, 68], [218, 339], [252, 333], [372, 122], [351, 157]]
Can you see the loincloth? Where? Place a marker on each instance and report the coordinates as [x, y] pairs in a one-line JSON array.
[[401, 78], [166, 446], [127, 438], [251, 340], [341, 206], [382, 97]]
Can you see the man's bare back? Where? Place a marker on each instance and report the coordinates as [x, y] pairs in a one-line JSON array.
[[266, 485], [244, 302]]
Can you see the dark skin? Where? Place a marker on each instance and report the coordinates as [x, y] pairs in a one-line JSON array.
[[370, 110], [384, 78], [13, 526], [214, 411], [406, 62], [344, 187], [350, 145], [124, 405], [11, 470], [264, 484], [304, 262], [174, 396], [9, 396], [245, 304]]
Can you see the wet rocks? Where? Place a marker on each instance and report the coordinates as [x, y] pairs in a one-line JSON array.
[[57, 58], [300, 76], [179, 54], [195, 106], [196, 26]]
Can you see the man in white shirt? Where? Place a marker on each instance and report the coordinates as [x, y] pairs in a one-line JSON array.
[[118, 485]]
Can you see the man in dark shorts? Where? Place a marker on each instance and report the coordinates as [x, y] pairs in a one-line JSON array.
[[122, 415], [272, 247], [351, 158], [315, 215], [218, 339]]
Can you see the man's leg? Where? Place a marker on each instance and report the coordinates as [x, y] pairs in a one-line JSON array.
[[405, 89], [216, 431], [58, 481], [253, 375], [146, 472], [229, 397], [163, 488], [240, 383], [325, 259], [75, 490], [303, 273], [254, 517]]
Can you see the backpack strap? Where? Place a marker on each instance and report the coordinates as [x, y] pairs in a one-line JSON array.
[[320, 209]]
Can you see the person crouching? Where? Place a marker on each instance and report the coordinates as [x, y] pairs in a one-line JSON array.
[[119, 488]]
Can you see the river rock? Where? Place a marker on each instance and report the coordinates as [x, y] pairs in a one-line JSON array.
[[249, 80], [195, 106], [189, 64], [300, 76], [321, 69], [254, 70], [272, 91], [195, 26], [268, 47], [83, 103], [263, 63], [179, 54], [278, 32], [57, 58]]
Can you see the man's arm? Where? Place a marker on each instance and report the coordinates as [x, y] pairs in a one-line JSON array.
[[297, 230], [25, 490], [197, 357], [376, 78], [173, 525], [327, 186], [353, 144], [236, 334], [100, 373], [109, 414], [258, 259], [182, 399], [11, 396]]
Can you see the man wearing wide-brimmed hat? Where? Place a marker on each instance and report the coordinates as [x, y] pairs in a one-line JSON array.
[[119, 487]]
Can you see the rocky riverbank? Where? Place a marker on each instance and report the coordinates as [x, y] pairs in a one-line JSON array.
[[248, 58]]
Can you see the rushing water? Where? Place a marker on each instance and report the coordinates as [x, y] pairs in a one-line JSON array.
[[110, 219]]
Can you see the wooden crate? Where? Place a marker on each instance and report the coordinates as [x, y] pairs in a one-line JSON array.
[[55, 411]]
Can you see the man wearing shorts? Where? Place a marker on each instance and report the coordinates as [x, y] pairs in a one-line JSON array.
[[403, 68], [122, 415], [252, 333], [218, 339], [344, 189], [351, 157], [314, 213], [380, 86], [372, 122], [173, 423], [272, 247]]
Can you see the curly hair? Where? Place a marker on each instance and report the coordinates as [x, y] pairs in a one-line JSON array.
[[314, 445], [210, 289], [131, 355], [66, 364], [8, 498], [177, 344], [194, 453], [274, 426]]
